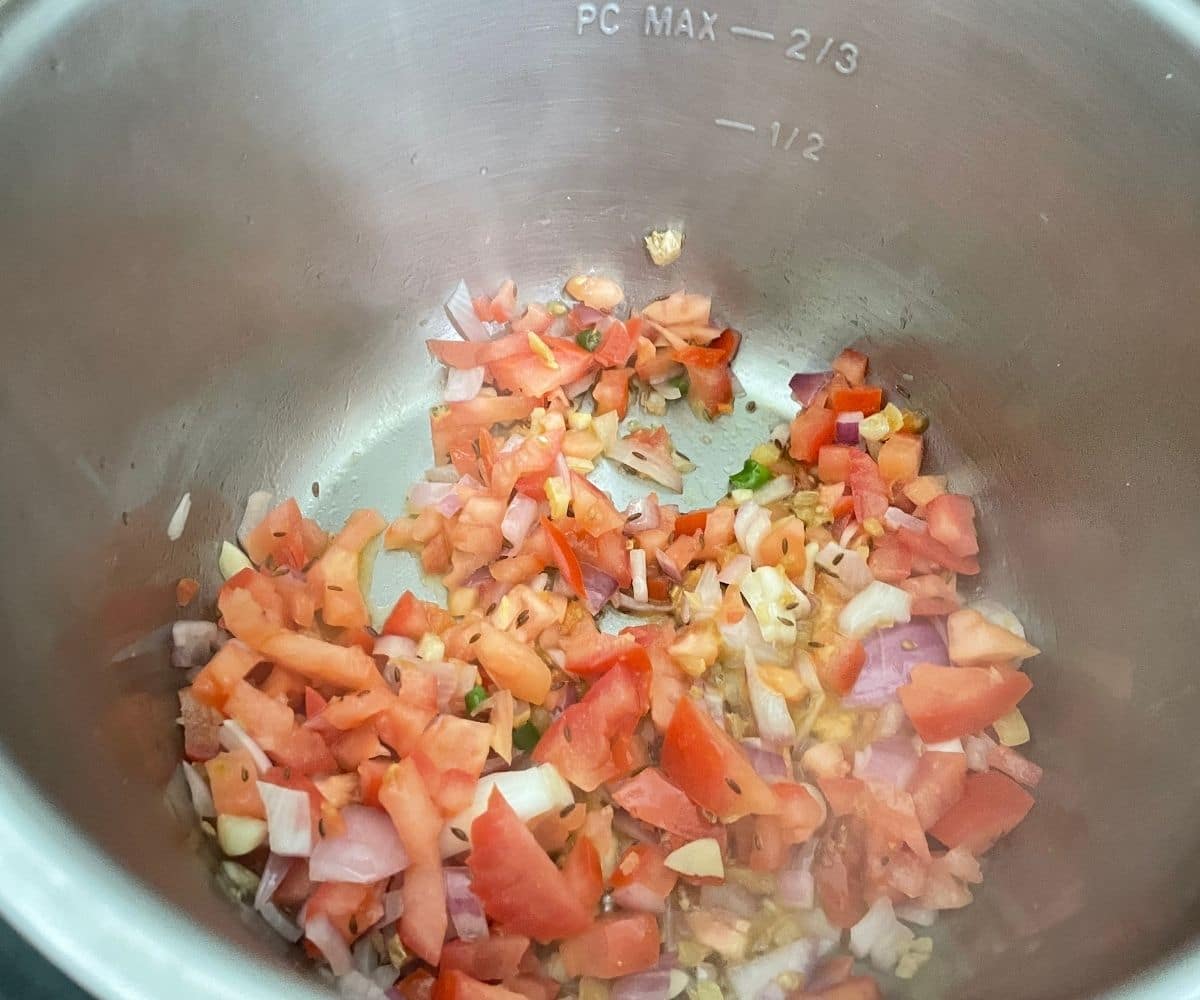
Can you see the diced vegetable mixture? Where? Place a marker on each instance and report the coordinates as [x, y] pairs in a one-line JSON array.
[[797, 759]]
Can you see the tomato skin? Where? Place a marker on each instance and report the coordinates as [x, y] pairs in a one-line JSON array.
[[588, 742], [991, 806], [865, 400], [728, 343], [702, 760], [413, 618], [651, 798], [813, 428], [839, 670], [453, 984], [598, 653], [611, 391], [944, 703], [490, 959], [565, 558], [938, 784], [582, 872], [710, 390], [616, 945], [692, 522], [951, 520], [516, 881]]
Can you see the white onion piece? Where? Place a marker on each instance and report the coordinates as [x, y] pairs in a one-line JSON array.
[[777, 489], [530, 793], [580, 385], [946, 746], [179, 518], [463, 906], [877, 606], [450, 504], [645, 515], [194, 643], [668, 391], [637, 565], [797, 889], [234, 737], [202, 800], [289, 820], [705, 601], [395, 647], [735, 570], [422, 495], [519, 519], [771, 715], [998, 614], [910, 913], [258, 506], [800, 957], [359, 985], [369, 850], [847, 565], [894, 517], [441, 474], [463, 384], [321, 932], [751, 525], [654, 984], [670, 570], [781, 433], [275, 871], [279, 923], [462, 314], [880, 936], [652, 465], [976, 749]]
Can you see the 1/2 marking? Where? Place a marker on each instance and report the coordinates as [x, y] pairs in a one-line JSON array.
[[814, 141], [744, 32]]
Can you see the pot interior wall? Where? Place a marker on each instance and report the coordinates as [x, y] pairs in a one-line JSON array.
[[227, 230]]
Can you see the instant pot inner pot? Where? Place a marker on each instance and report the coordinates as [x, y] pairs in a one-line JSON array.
[[227, 230]]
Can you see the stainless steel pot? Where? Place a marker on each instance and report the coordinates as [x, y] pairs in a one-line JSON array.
[[226, 228]]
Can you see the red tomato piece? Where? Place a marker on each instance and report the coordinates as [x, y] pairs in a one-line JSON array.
[[642, 881], [801, 813], [415, 986], [890, 561], [424, 921], [865, 400], [945, 703], [851, 365], [728, 343], [854, 988], [951, 520], [592, 654], [870, 492], [704, 761], [991, 806], [833, 463], [617, 344], [516, 881], [531, 376], [232, 777], [611, 391], [472, 354], [582, 872], [513, 664], [417, 820], [413, 618], [813, 428], [279, 536], [594, 512], [651, 798], [839, 668], [692, 522], [710, 390], [454, 744], [490, 959], [565, 558], [453, 984], [616, 945], [931, 595], [924, 546], [587, 743], [838, 871], [937, 784], [900, 458]]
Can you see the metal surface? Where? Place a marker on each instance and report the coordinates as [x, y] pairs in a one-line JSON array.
[[225, 229]]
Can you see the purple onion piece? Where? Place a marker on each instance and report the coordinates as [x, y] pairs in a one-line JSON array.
[[846, 428], [806, 385], [599, 587], [891, 655], [767, 763]]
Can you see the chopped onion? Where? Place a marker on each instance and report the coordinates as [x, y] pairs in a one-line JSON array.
[[877, 606], [880, 936], [891, 762], [976, 749], [714, 704], [464, 907], [751, 525], [777, 489], [580, 385], [796, 889], [441, 474], [768, 763], [519, 519], [705, 601], [806, 385], [194, 643], [654, 984], [202, 800], [275, 871], [749, 979], [998, 614], [781, 433], [279, 923], [289, 820], [771, 713], [644, 515], [847, 565], [179, 519], [735, 570], [668, 566], [846, 428], [234, 737], [368, 851], [635, 830], [891, 655], [329, 942], [598, 587], [462, 314], [641, 607], [894, 518], [648, 462], [463, 384], [359, 985], [395, 647], [911, 913], [424, 494], [731, 897], [530, 793], [258, 505], [637, 565]]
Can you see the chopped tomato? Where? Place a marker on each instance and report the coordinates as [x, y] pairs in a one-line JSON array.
[[516, 881], [991, 806], [851, 365], [458, 422], [713, 770], [925, 546], [728, 343], [416, 985], [951, 520], [424, 921], [233, 778], [512, 664], [931, 595], [700, 357], [838, 871], [833, 463], [890, 561], [595, 653], [490, 959], [594, 512], [216, 681], [865, 400], [350, 907], [533, 376], [473, 354], [617, 343], [692, 522], [454, 744], [565, 558], [651, 798], [900, 458], [642, 881], [337, 571], [453, 984], [870, 492], [801, 812], [589, 742], [710, 390], [838, 667], [937, 784], [417, 820], [583, 874], [812, 429], [945, 703], [854, 988], [280, 537], [616, 945], [973, 641], [611, 391]]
